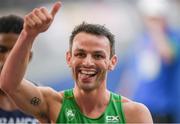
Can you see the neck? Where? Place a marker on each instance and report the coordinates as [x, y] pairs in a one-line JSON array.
[[92, 103]]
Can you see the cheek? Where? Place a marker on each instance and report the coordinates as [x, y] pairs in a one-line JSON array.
[[2, 57], [74, 62], [105, 64]]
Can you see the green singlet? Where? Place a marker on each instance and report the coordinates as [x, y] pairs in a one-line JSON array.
[[70, 112]]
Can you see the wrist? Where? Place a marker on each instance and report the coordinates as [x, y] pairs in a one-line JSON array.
[[29, 34]]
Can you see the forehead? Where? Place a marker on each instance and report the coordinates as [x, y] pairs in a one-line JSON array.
[[91, 42], [8, 39]]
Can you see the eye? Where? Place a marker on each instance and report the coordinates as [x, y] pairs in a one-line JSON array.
[[80, 55], [98, 56], [3, 49]]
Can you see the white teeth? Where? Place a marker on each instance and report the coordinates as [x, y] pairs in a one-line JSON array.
[[88, 72]]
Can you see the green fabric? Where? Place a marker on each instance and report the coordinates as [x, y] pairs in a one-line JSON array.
[[70, 112]]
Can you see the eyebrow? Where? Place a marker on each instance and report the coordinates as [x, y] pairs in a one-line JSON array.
[[79, 50], [96, 52], [99, 52], [4, 46]]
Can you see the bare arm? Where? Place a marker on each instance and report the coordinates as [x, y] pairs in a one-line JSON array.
[[28, 97]]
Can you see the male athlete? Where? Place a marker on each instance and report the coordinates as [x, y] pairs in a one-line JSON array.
[[90, 56], [10, 28]]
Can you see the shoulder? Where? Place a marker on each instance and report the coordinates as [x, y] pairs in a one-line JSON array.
[[135, 112]]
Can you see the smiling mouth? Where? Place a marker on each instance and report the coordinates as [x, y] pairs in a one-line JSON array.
[[86, 73]]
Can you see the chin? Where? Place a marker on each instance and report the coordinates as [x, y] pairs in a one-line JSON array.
[[88, 86]]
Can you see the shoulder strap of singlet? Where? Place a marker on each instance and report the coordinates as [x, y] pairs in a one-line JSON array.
[[68, 93], [117, 99]]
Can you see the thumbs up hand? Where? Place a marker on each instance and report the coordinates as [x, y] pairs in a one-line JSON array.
[[40, 19]]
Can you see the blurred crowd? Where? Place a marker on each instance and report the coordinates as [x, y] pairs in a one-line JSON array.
[[152, 63]]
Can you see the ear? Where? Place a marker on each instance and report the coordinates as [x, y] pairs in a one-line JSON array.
[[112, 63], [68, 58]]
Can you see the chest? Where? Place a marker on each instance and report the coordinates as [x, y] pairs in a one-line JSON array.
[[70, 113]]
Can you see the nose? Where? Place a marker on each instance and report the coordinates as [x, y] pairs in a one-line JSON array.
[[3, 56], [1, 65], [6, 55], [88, 61], [2, 60]]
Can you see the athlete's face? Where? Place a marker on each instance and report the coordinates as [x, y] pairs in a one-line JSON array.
[[7, 41], [90, 60]]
